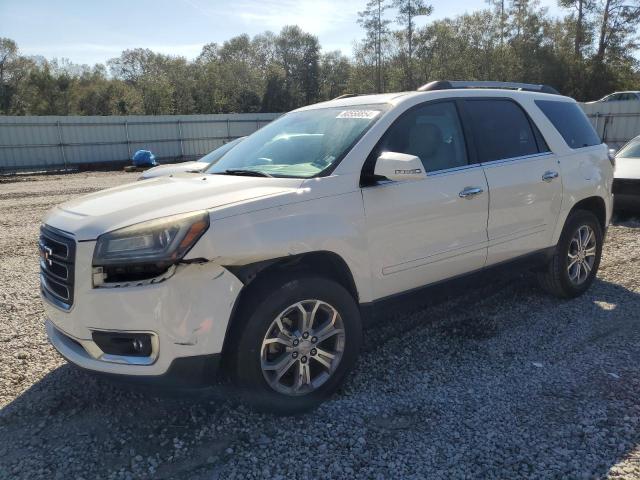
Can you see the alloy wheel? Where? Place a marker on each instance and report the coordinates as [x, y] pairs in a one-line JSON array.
[[303, 347], [581, 255]]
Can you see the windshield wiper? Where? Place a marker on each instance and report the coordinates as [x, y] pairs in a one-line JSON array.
[[249, 173]]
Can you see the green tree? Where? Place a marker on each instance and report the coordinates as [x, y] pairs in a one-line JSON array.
[[408, 10], [377, 32], [335, 70], [298, 54]]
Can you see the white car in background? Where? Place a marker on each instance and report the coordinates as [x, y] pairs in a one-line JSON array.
[[626, 182], [192, 167], [620, 97], [269, 264]]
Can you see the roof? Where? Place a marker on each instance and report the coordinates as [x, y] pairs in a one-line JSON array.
[[400, 97]]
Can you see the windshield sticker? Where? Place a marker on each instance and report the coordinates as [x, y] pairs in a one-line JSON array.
[[366, 114]]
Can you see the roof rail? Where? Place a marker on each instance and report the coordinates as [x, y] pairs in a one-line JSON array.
[[450, 84], [346, 95]]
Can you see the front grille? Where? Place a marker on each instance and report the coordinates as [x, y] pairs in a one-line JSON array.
[[626, 186], [57, 265]]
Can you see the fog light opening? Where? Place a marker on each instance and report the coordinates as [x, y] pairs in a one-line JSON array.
[[124, 343]]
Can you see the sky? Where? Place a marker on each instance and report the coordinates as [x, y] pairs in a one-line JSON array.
[[92, 31]]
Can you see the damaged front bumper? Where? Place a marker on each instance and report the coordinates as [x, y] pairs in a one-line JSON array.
[[184, 316]]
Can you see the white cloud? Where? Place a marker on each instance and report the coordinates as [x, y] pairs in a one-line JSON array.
[[313, 16]]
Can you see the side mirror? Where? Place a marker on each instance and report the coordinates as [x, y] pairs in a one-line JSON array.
[[399, 166]]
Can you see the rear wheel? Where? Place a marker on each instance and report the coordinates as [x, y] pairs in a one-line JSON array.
[[576, 258], [298, 340]]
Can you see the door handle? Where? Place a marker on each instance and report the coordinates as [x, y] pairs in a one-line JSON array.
[[470, 192], [549, 175]]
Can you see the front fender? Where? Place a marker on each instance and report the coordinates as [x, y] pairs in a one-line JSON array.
[[333, 223]]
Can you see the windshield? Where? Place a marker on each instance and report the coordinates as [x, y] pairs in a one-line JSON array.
[[216, 154], [299, 144], [632, 150]]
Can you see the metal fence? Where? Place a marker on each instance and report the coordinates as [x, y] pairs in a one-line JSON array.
[[615, 122], [55, 143], [58, 142]]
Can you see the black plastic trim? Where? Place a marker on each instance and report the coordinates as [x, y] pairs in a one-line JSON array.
[[199, 371]]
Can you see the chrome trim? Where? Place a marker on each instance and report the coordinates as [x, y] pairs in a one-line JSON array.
[[127, 359], [470, 192], [51, 297], [435, 173], [57, 267], [447, 171], [91, 350], [516, 159]]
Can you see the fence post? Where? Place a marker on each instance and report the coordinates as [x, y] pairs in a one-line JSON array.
[[61, 143], [180, 139], [228, 130], [126, 133], [597, 118]]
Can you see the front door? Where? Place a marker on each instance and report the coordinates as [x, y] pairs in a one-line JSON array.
[[423, 231]]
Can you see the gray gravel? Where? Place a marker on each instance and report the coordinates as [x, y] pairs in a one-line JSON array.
[[505, 382]]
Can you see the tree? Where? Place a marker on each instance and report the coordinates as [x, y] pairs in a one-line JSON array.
[[276, 96], [377, 30], [583, 9], [298, 54], [408, 10], [335, 70], [618, 21]]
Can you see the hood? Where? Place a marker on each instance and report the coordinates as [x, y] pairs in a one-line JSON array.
[[89, 216], [627, 167], [172, 168]]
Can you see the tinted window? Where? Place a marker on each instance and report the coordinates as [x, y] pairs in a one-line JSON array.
[[501, 130], [431, 132], [571, 122]]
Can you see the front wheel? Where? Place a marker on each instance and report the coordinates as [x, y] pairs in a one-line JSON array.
[[298, 340], [576, 258]]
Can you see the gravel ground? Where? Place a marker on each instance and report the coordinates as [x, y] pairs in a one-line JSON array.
[[503, 383]]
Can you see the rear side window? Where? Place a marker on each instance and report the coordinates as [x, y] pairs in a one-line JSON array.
[[501, 130], [571, 122]]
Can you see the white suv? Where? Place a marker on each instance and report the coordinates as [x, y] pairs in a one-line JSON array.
[[270, 262]]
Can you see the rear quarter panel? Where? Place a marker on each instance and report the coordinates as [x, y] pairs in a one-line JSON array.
[[586, 172]]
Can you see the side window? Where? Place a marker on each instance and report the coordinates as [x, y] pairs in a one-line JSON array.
[[501, 130], [613, 98], [431, 132], [571, 122]]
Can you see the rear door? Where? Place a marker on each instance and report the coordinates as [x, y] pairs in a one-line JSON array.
[[422, 231], [523, 177]]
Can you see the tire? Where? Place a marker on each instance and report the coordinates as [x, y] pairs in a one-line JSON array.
[[560, 280], [287, 299]]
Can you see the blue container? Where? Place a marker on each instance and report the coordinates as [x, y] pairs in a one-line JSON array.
[[144, 158]]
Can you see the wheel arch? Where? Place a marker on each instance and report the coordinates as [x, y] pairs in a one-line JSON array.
[[261, 274], [595, 205]]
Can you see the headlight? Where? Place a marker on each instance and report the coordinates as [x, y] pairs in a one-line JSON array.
[[161, 243]]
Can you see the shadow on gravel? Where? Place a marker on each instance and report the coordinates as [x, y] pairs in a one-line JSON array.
[[524, 386]]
